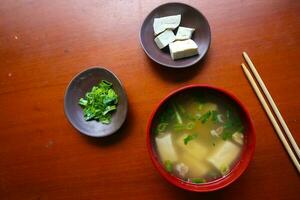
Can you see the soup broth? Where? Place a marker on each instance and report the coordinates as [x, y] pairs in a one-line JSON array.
[[198, 138]]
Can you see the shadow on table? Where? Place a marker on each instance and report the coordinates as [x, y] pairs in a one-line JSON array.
[[177, 74], [114, 138]]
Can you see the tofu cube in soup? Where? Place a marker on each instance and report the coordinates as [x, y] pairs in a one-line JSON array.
[[165, 148], [224, 155]]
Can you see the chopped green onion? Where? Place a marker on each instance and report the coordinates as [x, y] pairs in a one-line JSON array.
[[198, 180], [189, 138], [178, 117], [99, 102], [190, 125], [179, 127], [162, 127], [205, 117], [224, 169], [214, 117], [168, 165]]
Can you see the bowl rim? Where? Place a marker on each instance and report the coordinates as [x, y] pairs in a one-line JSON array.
[[171, 65], [76, 76], [237, 170]]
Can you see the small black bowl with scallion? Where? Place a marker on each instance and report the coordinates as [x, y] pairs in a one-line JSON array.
[[95, 102]]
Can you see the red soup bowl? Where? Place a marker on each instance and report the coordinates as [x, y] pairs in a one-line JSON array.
[[247, 150]]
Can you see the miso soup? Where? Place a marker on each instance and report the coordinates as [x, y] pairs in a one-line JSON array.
[[198, 138]]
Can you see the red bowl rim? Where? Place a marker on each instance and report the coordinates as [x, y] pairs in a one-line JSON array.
[[237, 170]]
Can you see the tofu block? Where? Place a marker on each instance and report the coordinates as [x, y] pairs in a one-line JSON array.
[[162, 40], [224, 155], [184, 33], [165, 148], [238, 138], [193, 148], [196, 168], [183, 49], [163, 23]]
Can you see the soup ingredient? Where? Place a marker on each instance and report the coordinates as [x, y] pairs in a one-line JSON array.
[[233, 124], [178, 117], [100, 102], [161, 127], [182, 169], [238, 138], [205, 117], [168, 22], [197, 180], [169, 165], [165, 148], [162, 40], [189, 138], [217, 132], [184, 33], [183, 49], [224, 155]]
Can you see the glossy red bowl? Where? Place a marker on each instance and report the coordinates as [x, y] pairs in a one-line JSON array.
[[239, 167]]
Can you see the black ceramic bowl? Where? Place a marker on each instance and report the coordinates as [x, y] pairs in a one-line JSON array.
[[78, 87], [190, 17]]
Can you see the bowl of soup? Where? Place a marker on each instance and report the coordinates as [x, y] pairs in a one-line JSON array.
[[200, 138]]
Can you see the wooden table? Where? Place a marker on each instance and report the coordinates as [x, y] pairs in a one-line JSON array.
[[43, 44]]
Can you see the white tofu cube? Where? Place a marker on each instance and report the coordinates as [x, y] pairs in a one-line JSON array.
[[184, 33], [165, 148], [164, 39], [224, 155], [183, 49], [163, 23]]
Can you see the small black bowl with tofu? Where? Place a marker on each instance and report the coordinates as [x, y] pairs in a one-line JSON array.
[[175, 35]]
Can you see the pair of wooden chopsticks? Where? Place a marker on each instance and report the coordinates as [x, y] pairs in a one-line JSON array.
[[269, 112]]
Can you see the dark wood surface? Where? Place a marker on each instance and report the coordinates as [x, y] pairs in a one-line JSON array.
[[43, 44]]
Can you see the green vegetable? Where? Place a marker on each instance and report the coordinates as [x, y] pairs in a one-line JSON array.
[[198, 180], [232, 125], [190, 125], [214, 116], [224, 169], [169, 165], [205, 117], [178, 117], [161, 127], [99, 103], [188, 138], [179, 127]]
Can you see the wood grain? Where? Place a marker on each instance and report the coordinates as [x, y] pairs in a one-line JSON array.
[[44, 44]]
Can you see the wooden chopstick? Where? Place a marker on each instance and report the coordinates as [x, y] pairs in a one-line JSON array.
[[273, 105], [271, 117]]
